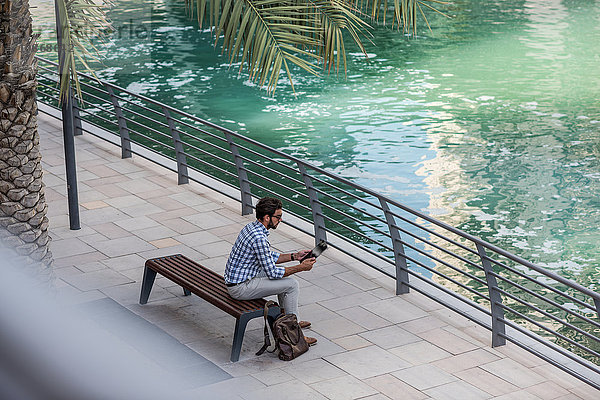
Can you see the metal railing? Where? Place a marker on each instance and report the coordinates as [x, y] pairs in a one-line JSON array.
[[538, 310]]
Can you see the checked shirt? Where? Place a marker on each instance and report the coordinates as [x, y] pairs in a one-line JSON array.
[[251, 253]]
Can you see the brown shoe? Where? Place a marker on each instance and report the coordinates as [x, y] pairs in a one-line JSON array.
[[304, 324], [311, 341]]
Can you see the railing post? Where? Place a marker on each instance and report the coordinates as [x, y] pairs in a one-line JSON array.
[[68, 127], [399, 255], [182, 172], [498, 326], [123, 130], [246, 195], [597, 304], [76, 116], [313, 198]]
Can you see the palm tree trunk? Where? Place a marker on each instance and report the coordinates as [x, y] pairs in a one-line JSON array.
[[23, 221]]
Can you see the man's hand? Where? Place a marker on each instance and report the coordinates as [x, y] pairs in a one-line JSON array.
[[301, 254], [307, 264]]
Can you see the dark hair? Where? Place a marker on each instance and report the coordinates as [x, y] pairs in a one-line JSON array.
[[267, 206]]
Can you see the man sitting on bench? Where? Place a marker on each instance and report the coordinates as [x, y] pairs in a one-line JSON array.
[[252, 271]]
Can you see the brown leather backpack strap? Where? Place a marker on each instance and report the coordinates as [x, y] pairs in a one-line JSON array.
[[266, 329]]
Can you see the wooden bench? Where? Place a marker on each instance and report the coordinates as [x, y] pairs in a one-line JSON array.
[[201, 281]]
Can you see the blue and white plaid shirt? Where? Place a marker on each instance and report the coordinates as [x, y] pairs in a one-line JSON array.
[[251, 253]]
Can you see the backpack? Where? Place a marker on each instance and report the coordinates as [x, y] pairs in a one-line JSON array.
[[289, 339]]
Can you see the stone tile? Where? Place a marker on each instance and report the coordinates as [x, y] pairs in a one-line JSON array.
[[364, 318], [111, 230], [141, 210], [124, 167], [94, 204], [466, 360], [314, 312], [208, 220], [513, 372], [344, 388], [136, 223], [487, 382], [555, 375], [313, 371], [123, 246], [154, 233], [447, 341], [215, 249], [353, 300], [96, 280], [313, 293], [337, 327], [138, 185], [182, 226], [125, 262], [294, 390], [162, 243], [457, 391], [518, 395], [321, 270], [377, 396], [336, 286], [77, 259], [273, 377], [585, 392], [550, 390], [360, 362], [395, 310], [227, 231], [198, 238], [129, 293], [352, 342], [570, 396], [101, 216], [60, 272], [357, 280], [179, 213], [423, 377], [382, 293], [135, 274], [230, 389], [420, 352], [423, 324], [189, 198], [452, 318], [69, 247], [390, 336], [107, 188], [91, 267], [394, 388]]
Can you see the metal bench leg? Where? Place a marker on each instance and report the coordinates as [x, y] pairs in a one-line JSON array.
[[147, 282], [238, 336], [186, 292]]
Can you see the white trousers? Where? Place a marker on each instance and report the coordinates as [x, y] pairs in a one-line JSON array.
[[286, 289]]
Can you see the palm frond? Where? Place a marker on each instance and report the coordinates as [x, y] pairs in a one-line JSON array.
[[81, 22]]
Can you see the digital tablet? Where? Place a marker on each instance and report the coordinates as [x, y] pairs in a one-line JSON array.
[[316, 252]]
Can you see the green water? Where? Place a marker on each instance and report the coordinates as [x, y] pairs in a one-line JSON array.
[[491, 122]]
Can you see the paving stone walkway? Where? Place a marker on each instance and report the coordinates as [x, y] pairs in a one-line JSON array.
[[372, 343]]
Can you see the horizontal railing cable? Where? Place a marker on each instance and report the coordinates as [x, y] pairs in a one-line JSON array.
[[553, 289], [547, 300], [539, 339], [554, 318]]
